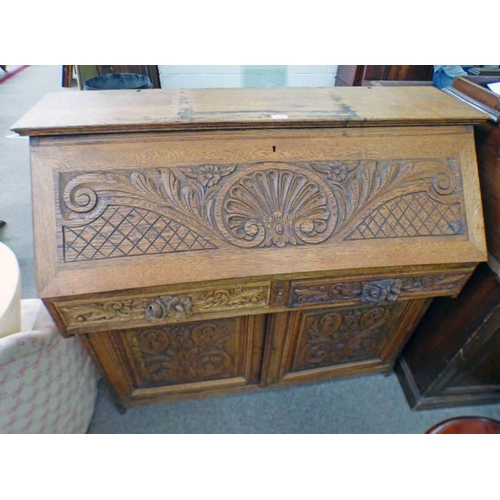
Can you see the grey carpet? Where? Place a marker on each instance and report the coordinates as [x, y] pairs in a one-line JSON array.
[[372, 405]]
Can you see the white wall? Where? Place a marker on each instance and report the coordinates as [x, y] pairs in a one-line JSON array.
[[236, 76]]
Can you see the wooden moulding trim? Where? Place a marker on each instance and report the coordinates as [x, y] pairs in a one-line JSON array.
[[471, 90], [329, 372], [407, 382], [489, 112], [419, 401], [470, 390], [383, 254], [277, 133], [141, 397], [194, 387], [472, 198], [494, 265], [232, 125], [201, 109]]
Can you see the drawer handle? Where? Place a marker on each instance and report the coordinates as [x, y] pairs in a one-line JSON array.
[[154, 310], [168, 307], [376, 292]]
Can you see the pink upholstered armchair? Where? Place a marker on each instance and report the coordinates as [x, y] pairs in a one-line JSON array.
[[48, 384]]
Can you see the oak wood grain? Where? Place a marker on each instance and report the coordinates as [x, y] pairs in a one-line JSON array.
[[217, 241], [163, 109], [189, 359], [106, 168], [321, 344]]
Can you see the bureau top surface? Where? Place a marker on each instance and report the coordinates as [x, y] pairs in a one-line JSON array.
[[111, 111]]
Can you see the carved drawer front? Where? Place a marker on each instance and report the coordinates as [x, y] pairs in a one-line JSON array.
[[379, 290], [161, 308], [184, 358], [324, 343]]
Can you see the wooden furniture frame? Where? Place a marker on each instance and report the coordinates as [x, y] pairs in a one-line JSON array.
[[453, 359], [204, 242]]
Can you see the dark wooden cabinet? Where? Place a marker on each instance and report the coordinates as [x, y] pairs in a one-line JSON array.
[[364, 75], [206, 242], [453, 359]]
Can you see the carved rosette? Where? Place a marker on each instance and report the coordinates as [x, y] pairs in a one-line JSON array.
[[173, 307], [381, 291]]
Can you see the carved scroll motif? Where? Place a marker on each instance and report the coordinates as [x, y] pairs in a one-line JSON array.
[[375, 291], [345, 335], [257, 205], [161, 308], [185, 353]]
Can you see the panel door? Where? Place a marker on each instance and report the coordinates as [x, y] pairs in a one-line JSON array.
[[146, 365], [320, 344]]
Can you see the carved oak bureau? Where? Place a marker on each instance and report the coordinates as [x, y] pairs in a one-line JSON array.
[[203, 242]]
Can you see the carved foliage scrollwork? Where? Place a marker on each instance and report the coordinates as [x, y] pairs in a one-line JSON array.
[[344, 335], [172, 307], [185, 353], [100, 311], [375, 291], [257, 205]]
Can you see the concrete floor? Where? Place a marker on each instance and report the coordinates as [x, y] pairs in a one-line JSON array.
[[371, 404]]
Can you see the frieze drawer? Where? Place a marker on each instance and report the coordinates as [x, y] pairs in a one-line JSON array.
[[161, 308], [379, 290]]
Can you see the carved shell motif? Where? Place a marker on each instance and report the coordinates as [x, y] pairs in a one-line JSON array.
[[276, 207]]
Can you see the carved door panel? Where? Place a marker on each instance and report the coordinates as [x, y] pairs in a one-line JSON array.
[[320, 344], [166, 362]]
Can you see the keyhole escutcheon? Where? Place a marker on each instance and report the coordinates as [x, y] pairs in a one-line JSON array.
[[274, 149]]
